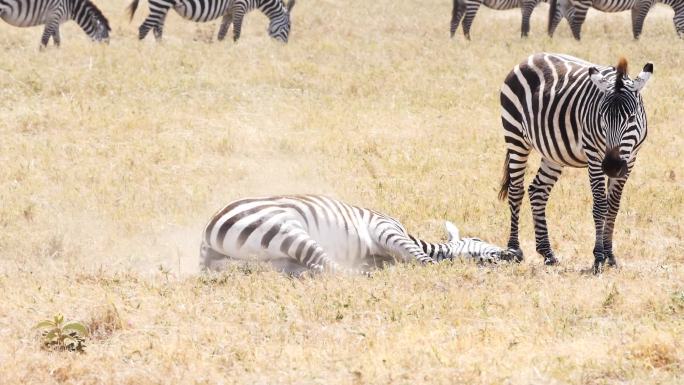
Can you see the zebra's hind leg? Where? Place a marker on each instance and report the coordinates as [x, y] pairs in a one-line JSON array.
[[456, 15], [539, 191], [470, 12], [51, 30], [579, 14], [527, 9], [513, 188], [225, 25], [299, 246]]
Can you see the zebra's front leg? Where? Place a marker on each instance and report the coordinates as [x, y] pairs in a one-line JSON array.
[[539, 192], [471, 8], [55, 37], [456, 15], [615, 187], [514, 172], [154, 21], [600, 208], [225, 25]]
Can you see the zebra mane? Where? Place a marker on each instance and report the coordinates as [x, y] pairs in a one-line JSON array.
[[97, 14], [621, 74]]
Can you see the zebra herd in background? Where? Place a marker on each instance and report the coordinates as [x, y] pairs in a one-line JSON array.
[[51, 13], [575, 11]]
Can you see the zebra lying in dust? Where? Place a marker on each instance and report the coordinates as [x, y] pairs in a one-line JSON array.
[[321, 234]]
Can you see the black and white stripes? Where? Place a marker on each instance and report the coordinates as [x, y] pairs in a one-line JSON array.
[[577, 11], [574, 114], [232, 12], [313, 232], [52, 13], [466, 10]]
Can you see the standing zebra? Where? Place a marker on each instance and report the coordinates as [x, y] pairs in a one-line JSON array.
[[467, 9], [52, 13], [313, 232], [232, 11], [575, 114], [640, 8]]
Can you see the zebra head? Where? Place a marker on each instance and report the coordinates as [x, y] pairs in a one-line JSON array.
[[93, 22], [472, 247], [621, 114], [279, 26]]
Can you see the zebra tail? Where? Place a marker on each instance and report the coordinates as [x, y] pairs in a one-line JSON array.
[[132, 8], [506, 180], [552, 13]]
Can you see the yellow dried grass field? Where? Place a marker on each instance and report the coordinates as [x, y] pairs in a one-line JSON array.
[[113, 157]]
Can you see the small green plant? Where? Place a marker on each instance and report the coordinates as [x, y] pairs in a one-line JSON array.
[[59, 335]]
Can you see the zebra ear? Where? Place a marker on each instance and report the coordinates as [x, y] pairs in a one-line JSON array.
[[598, 79], [290, 4], [452, 230], [641, 80]]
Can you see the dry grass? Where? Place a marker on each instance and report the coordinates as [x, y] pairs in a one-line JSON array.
[[113, 157]]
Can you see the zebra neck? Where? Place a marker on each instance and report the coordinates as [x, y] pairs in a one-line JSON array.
[[273, 13]]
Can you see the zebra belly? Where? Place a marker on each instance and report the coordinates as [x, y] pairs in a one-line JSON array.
[[199, 16], [25, 22], [613, 6]]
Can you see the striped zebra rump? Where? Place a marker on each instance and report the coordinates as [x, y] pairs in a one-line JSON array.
[[313, 232]]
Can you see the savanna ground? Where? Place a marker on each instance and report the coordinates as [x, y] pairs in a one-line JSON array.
[[114, 157]]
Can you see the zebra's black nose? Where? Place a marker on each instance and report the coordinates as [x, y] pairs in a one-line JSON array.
[[613, 165]]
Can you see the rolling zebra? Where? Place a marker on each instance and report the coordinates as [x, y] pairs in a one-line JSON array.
[[313, 232], [640, 8], [574, 114], [52, 13], [466, 10], [232, 11]]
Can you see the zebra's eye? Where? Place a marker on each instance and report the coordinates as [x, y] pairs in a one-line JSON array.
[[631, 119]]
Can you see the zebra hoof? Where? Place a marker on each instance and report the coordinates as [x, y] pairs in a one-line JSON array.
[[611, 262], [512, 255], [550, 261]]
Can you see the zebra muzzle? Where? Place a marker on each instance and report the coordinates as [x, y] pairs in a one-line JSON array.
[[613, 165]]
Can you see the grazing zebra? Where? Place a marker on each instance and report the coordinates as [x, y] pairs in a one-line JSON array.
[[313, 232], [575, 114], [52, 13], [232, 11], [640, 8], [467, 9]]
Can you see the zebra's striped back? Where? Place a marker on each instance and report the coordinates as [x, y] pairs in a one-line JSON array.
[[321, 233], [27, 13]]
